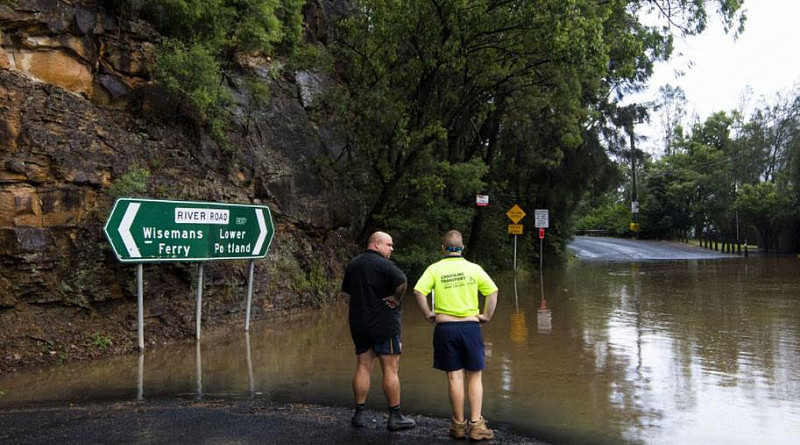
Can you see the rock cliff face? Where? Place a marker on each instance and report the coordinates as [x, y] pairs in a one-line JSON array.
[[73, 87]]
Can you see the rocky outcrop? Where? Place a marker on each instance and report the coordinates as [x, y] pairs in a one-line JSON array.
[[77, 46], [69, 73]]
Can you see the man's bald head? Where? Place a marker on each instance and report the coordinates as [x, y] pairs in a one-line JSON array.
[[381, 242]]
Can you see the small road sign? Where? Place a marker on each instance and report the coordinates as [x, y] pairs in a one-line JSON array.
[[516, 214], [542, 218], [149, 230], [515, 229]]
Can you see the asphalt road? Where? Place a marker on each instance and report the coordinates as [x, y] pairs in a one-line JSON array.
[[590, 248], [253, 421]]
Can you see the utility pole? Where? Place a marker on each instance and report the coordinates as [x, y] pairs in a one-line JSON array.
[[634, 196]]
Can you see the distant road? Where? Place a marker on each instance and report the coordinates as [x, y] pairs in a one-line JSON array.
[[590, 248]]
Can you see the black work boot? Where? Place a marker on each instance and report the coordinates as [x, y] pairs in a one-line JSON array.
[[398, 422], [358, 420]]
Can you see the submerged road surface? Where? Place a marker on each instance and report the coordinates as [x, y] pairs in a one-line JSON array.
[[590, 248]]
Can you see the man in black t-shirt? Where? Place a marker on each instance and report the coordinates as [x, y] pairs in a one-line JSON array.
[[375, 287]]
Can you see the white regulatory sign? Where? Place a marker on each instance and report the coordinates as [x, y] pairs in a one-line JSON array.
[[541, 218]]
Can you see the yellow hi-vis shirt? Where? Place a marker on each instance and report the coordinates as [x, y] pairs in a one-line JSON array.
[[455, 283]]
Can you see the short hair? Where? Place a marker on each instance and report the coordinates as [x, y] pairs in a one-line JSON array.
[[453, 239]]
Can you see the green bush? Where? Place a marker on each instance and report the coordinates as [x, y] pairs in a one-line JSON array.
[[224, 26], [191, 74], [202, 38], [132, 183], [100, 341], [614, 218]]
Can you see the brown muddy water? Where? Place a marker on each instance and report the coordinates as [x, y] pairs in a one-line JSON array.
[[655, 352]]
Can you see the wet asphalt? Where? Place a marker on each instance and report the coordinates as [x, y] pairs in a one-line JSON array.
[[251, 421]]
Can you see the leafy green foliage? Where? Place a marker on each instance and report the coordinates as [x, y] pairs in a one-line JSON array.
[[131, 184], [220, 25], [192, 74], [521, 88], [202, 38], [730, 177], [613, 219], [290, 15], [100, 341], [311, 57]]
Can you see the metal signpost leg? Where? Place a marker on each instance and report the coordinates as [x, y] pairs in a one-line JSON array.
[[249, 295], [140, 303], [199, 297], [208, 231], [515, 252], [541, 243]]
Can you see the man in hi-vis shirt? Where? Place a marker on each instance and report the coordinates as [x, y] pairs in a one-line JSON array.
[[457, 340]]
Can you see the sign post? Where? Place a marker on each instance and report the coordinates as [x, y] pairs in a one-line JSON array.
[[541, 221], [515, 214], [150, 230]]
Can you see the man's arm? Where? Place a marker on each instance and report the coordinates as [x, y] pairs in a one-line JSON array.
[[488, 308], [394, 300], [422, 302]]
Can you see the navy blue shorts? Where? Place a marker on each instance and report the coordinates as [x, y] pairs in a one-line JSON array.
[[458, 345], [389, 346]]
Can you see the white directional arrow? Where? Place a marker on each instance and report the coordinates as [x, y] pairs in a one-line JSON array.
[[125, 230], [262, 234]]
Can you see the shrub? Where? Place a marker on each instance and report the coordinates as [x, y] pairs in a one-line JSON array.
[[132, 183]]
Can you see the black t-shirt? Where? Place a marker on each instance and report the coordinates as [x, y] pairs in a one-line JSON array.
[[368, 278]]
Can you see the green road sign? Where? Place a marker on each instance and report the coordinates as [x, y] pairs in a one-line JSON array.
[[149, 230]]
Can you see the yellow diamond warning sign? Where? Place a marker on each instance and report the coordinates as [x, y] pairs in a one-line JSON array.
[[515, 214]]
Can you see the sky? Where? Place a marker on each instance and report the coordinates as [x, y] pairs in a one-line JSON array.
[[718, 70]]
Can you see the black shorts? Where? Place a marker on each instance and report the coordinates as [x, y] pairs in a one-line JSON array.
[[458, 345], [387, 346]]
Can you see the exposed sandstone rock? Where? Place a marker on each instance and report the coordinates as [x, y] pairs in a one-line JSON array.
[[55, 67], [61, 151], [67, 45], [19, 206]]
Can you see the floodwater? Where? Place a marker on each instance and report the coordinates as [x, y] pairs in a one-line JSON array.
[[698, 351]]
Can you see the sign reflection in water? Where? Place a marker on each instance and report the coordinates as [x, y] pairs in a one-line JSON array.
[[661, 352]]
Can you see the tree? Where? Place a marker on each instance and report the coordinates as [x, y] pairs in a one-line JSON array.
[[672, 106], [524, 88]]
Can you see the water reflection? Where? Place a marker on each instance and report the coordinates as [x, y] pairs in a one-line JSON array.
[[696, 351], [199, 366], [544, 317], [140, 380], [518, 332]]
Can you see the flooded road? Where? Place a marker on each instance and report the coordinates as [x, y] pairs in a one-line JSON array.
[[680, 351], [601, 248]]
